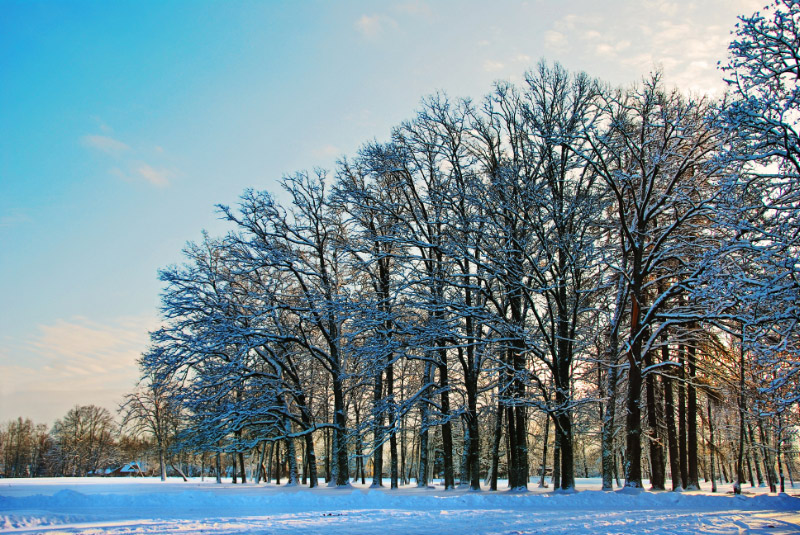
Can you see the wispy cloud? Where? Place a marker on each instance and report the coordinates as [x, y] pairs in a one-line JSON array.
[[327, 151], [156, 177], [555, 40], [492, 66], [415, 8], [13, 219], [373, 26], [129, 162], [72, 360], [106, 144]]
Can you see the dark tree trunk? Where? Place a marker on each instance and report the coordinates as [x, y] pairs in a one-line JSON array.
[[291, 457], [711, 446], [542, 483], [360, 470], [511, 448], [756, 457], [522, 447], [393, 469], [657, 476], [447, 427], [278, 463], [557, 461], [268, 476], [669, 420], [563, 391], [683, 454], [769, 464], [737, 487], [260, 475], [242, 468], [609, 462], [498, 437], [633, 444], [567, 451], [339, 431], [750, 471], [691, 417], [564, 428], [422, 472], [633, 420], [377, 430], [311, 457], [234, 475]]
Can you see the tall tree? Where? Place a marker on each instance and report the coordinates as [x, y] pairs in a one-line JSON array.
[[657, 156]]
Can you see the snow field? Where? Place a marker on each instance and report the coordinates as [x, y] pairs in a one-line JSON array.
[[145, 506]]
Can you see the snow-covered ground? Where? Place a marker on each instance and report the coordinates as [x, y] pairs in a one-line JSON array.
[[148, 506]]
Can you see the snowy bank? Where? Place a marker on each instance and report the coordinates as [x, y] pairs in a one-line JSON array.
[[149, 506]]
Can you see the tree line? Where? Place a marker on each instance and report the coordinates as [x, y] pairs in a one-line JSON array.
[[558, 248], [617, 267], [86, 441]]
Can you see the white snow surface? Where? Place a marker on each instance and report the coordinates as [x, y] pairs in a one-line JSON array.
[[149, 506]]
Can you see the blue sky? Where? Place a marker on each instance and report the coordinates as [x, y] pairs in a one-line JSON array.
[[122, 124]]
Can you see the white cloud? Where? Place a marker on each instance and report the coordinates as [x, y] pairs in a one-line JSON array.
[[554, 39], [141, 171], [372, 26], [129, 165], [592, 35], [327, 151], [105, 144], [415, 8], [75, 360], [492, 66], [156, 177]]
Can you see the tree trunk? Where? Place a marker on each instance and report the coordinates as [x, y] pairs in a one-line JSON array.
[[463, 478], [473, 431], [424, 409], [711, 447], [341, 472], [669, 419], [633, 444], [511, 448], [557, 461], [291, 455], [242, 468], [260, 473], [633, 420], [522, 448], [233, 468], [691, 417], [447, 428], [609, 461], [756, 458], [737, 486], [278, 464], [542, 483], [393, 460], [657, 477], [682, 453], [268, 475], [769, 465], [498, 436], [377, 430], [162, 465], [778, 452]]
